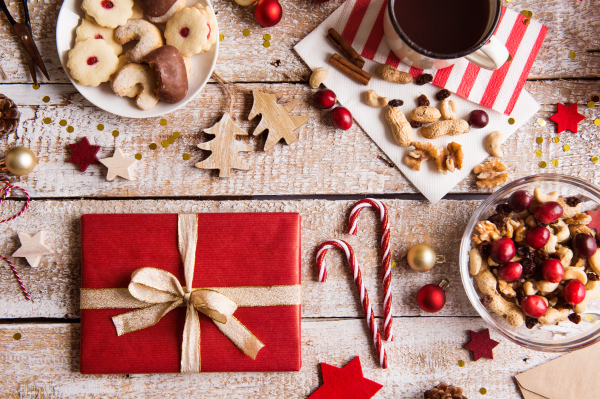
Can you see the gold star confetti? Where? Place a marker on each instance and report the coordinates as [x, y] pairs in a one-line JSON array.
[[555, 162], [511, 121], [597, 122], [63, 122], [556, 139], [566, 147], [152, 146], [591, 104], [543, 164], [595, 159], [221, 37], [47, 120], [542, 122], [483, 391], [246, 32], [45, 99], [163, 122], [267, 37], [100, 126], [17, 336], [538, 153], [539, 140], [176, 135], [165, 143], [115, 133], [70, 129], [267, 43], [186, 157], [171, 140], [572, 55], [138, 156], [35, 86], [461, 363]]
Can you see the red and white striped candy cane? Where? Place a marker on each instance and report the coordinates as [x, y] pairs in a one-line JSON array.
[[364, 296], [388, 332]]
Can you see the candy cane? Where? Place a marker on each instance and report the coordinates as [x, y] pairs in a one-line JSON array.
[[388, 332], [17, 276], [364, 296]]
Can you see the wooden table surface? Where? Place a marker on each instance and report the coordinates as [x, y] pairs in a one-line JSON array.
[[320, 176]]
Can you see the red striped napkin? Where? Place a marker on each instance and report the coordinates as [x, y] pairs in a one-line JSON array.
[[361, 24]]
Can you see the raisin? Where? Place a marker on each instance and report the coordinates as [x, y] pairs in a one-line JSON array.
[[503, 209], [423, 101], [540, 223], [486, 300], [498, 219], [415, 124], [396, 103], [554, 256], [572, 201], [520, 294], [423, 79], [528, 266], [592, 276], [561, 303], [442, 95], [530, 322], [485, 248], [523, 252], [575, 318]]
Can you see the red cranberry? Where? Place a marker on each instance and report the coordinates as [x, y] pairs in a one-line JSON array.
[[502, 250], [341, 118], [574, 292], [534, 306], [520, 200], [98, 36], [510, 271], [92, 60], [184, 32], [553, 270], [548, 212], [538, 236], [107, 4], [325, 99], [585, 245], [478, 118]]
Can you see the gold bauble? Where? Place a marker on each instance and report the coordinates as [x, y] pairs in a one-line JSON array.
[[422, 258], [19, 161]]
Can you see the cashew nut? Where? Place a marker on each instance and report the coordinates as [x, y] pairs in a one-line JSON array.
[[148, 35], [391, 74], [573, 273], [550, 246], [318, 76], [542, 197], [491, 262], [595, 262], [375, 100], [580, 264], [546, 287], [452, 127], [554, 316], [425, 114], [592, 285], [589, 297], [401, 129], [509, 311], [506, 289], [493, 144], [553, 301], [448, 108], [566, 255], [568, 211], [529, 288], [136, 74], [561, 230], [475, 261]]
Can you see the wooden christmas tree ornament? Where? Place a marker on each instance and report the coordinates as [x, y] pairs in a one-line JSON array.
[[224, 148], [275, 119], [32, 248]]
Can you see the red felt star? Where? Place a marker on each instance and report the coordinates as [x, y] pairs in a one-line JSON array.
[[84, 154], [595, 223], [345, 383], [481, 345], [567, 118]]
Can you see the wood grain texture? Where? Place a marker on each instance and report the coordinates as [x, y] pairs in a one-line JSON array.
[[44, 363], [322, 161]]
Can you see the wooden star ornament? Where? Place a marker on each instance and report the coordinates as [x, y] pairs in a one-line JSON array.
[[345, 383], [567, 118], [481, 345], [83, 154], [32, 248], [119, 165]]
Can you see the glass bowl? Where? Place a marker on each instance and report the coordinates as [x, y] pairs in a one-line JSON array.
[[565, 336]]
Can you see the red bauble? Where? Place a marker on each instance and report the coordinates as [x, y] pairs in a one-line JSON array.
[[431, 298], [268, 12]]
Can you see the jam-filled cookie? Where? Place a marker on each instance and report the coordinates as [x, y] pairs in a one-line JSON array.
[[148, 35], [88, 30], [92, 62], [109, 13], [192, 30], [160, 11], [137, 11]]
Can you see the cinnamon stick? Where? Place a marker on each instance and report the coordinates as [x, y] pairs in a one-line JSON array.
[[343, 47], [350, 69]]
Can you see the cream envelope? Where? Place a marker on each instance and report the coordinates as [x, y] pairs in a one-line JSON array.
[[572, 376]]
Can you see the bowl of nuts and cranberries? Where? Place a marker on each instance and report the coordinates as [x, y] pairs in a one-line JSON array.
[[530, 263]]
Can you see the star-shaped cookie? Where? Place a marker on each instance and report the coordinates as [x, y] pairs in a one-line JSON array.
[[567, 118], [119, 165], [481, 345], [345, 383], [83, 154], [32, 248]]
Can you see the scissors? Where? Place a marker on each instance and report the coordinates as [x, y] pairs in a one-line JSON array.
[[23, 30]]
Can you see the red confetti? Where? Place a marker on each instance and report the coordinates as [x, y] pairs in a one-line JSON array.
[[567, 118], [481, 345], [345, 383], [595, 223], [84, 154]]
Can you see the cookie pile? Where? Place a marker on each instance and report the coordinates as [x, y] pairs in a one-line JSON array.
[[152, 70]]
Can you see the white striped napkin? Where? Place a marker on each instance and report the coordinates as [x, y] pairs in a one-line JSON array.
[[361, 24]]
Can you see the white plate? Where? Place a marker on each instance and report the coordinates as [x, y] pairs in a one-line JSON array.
[[103, 96]]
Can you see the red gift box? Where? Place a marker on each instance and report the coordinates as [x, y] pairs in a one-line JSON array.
[[233, 250]]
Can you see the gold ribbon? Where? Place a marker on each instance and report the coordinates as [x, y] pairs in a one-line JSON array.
[[155, 292]]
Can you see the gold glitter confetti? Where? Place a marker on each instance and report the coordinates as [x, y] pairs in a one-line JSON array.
[[483, 391], [543, 164], [524, 13], [246, 32], [555, 162], [171, 140], [115, 133], [597, 122], [47, 120], [176, 135], [591, 104], [556, 139], [595, 159], [152, 146], [539, 140], [163, 122], [165, 143], [542, 122], [100, 126], [526, 21], [538, 153], [267, 43], [566, 147], [461, 363], [572, 55], [70, 129], [186, 157], [138, 156], [45, 99], [393, 264], [529, 13], [510, 58], [511, 121], [63, 122], [267, 37], [35, 86], [221, 37], [509, 1], [17, 336]]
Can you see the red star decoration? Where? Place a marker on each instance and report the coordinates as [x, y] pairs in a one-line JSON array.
[[567, 118], [595, 223], [84, 154], [345, 383], [481, 345]]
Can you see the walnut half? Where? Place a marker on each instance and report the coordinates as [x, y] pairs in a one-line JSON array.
[[490, 174], [450, 158], [422, 152]]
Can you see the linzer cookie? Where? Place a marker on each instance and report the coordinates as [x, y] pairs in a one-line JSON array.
[[88, 30], [170, 71], [92, 62], [160, 11], [109, 13], [192, 30]]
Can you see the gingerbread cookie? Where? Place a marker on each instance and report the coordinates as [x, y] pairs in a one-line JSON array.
[[108, 13], [136, 75], [192, 30], [160, 11], [88, 29], [92, 61], [148, 35]]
